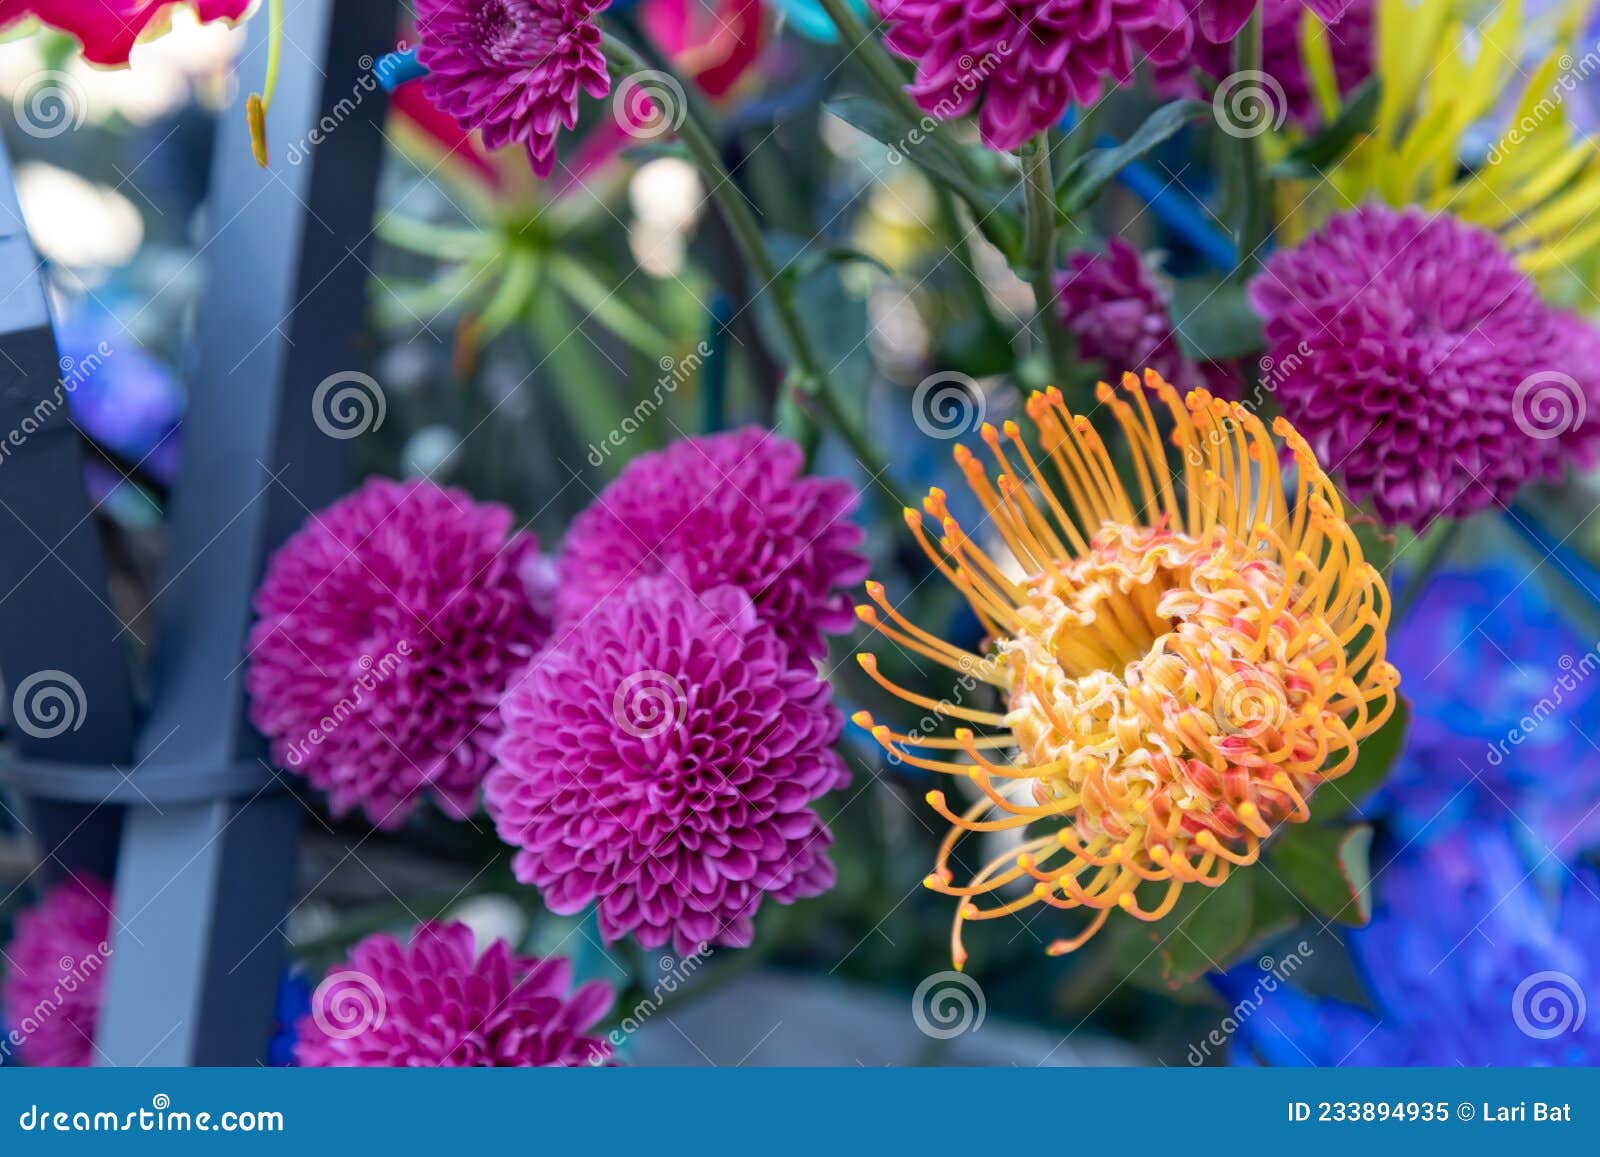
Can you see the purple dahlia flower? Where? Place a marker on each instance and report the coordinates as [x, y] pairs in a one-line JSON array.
[[55, 974], [728, 509], [438, 1003], [1020, 65], [1122, 318], [662, 760], [1423, 366], [1350, 26], [387, 629], [512, 69]]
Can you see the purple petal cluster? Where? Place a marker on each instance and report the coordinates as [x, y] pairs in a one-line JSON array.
[[387, 629], [726, 509], [437, 1003], [55, 973], [513, 69], [1421, 364], [662, 762], [1121, 317], [1350, 31], [1020, 65]]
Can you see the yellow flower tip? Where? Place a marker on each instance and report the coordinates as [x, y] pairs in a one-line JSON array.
[[1013, 431], [868, 661], [1130, 381], [881, 734], [868, 615], [989, 434], [933, 882], [958, 960], [1249, 814], [913, 518], [256, 115], [862, 719], [1126, 901], [961, 454], [1159, 854], [935, 798], [1057, 948], [1104, 394], [875, 588], [1024, 861], [1154, 380], [1054, 396], [1207, 840], [969, 911], [963, 734], [1041, 889]]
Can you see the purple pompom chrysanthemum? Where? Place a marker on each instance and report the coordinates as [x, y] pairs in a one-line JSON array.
[[1021, 65], [56, 972], [1350, 44], [1423, 366], [734, 509], [662, 761], [438, 1003], [513, 69], [388, 627], [1122, 317]]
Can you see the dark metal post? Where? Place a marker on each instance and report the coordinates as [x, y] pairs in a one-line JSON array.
[[206, 867], [66, 670]]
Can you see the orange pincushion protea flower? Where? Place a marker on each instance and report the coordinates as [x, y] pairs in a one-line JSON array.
[[1180, 676]]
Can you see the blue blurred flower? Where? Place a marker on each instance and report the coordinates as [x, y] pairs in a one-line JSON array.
[[1505, 716], [294, 1002], [121, 396], [1467, 962]]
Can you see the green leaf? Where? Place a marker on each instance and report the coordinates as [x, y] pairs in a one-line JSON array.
[[1213, 320], [814, 259], [1307, 160], [1082, 180], [1204, 932], [1375, 759], [930, 152], [1329, 869]]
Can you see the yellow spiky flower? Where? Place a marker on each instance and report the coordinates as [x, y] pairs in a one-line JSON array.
[[1181, 669], [1443, 71]]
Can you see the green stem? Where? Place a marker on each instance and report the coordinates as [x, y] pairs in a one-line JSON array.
[[1039, 250], [1255, 208], [1434, 550], [807, 379]]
